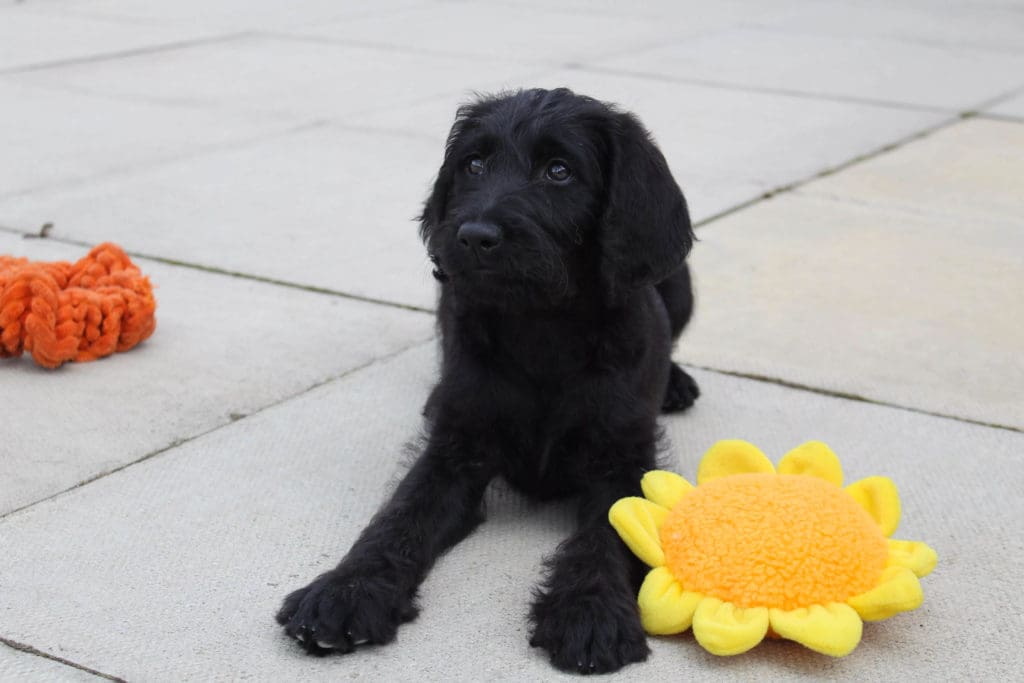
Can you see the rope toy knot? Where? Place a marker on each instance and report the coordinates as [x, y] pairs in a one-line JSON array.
[[60, 312]]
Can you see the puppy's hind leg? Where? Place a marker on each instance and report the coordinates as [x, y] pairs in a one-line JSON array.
[[681, 392], [676, 292], [677, 295]]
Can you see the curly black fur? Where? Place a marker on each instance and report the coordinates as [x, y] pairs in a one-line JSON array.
[[558, 237]]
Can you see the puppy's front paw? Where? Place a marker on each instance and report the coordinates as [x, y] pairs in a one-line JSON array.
[[588, 634], [343, 609]]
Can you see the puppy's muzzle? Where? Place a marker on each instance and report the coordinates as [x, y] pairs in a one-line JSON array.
[[482, 239]]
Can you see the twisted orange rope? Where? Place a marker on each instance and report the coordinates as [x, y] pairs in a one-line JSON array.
[[63, 312]]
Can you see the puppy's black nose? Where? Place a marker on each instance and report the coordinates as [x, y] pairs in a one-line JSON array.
[[480, 237]]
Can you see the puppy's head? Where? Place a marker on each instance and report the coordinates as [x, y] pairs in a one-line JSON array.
[[545, 196]]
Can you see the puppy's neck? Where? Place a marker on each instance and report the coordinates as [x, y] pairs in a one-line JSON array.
[[547, 343]]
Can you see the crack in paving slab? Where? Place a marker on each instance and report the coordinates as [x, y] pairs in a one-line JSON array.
[[28, 649]]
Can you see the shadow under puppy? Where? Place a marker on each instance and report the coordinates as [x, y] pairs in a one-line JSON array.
[[559, 238]]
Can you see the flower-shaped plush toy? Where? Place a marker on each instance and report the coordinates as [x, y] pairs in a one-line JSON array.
[[754, 551]]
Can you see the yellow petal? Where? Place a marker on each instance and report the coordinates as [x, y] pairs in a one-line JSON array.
[[732, 457], [665, 608], [833, 629], [815, 459], [914, 555], [665, 488], [637, 520], [898, 591], [724, 629], [878, 495]]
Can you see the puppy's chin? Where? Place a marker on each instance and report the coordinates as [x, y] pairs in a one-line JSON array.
[[494, 288]]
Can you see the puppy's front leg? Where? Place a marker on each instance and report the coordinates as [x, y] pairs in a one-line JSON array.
[[586, 614], [373, 589]]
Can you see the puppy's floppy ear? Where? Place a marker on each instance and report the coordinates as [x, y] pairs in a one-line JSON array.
[[436, 205], [645, 232]]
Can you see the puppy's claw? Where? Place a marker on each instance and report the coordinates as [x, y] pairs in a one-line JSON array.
[[340, 611]]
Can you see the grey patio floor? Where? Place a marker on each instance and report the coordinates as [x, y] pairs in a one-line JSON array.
[[857, 172]]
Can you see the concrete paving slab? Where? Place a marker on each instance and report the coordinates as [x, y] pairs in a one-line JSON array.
[[194, 549], [972, 172], [874, 69], [547, 35], [324, 207], [897, 278], [54, 138], [725, 146], [21, 666], [993, 26], [304, 78], [224, 347], [900, 307], [231, 14], [684, 13], [30, 38]]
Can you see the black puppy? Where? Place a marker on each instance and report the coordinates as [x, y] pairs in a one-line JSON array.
[[559, 238]]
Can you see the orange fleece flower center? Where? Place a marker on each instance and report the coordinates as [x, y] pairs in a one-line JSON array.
[[770, 540]]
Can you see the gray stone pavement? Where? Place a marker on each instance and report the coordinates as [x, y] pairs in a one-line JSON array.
[[857, 172]]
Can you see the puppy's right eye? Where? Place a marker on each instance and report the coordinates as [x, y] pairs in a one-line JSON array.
[[475, 165]]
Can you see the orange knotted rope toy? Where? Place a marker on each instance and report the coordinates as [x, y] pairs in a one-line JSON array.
[[63, 312]]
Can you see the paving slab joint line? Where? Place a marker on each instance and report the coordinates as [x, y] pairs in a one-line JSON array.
[[999, 99], [199, 152], [958, 117], [551, 65], [28, 649], [296, 35], [121, 54], [287, 129], [465, 95], [768, 90], [223, 271], [754, 25], [850, 397], [232, 419], [853, 161], [995, 116]]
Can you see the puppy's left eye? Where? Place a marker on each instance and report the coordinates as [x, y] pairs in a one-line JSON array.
[[558, 171], [475, 165]]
